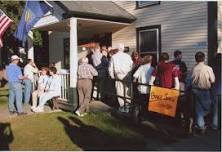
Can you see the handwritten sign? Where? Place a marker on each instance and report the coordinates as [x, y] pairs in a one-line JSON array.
[[163, 101]]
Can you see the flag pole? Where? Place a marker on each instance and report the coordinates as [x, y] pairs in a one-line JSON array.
[[47, 3]]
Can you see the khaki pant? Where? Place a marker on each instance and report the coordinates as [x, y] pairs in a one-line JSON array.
[[84, 87], [120, 92], [35, 96]]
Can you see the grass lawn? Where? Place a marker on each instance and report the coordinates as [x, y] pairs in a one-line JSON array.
[[3, 100], [64, 131], [3, 95]]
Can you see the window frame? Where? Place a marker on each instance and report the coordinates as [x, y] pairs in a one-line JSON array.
[[138, 6], [150, 28], [66, 41]]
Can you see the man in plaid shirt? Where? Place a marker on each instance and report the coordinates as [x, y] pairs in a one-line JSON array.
[[85, 73]]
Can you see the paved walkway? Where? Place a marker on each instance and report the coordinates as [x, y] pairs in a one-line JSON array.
[[93, 107]]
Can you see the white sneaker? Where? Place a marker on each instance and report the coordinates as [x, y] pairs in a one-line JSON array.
[[33, 107], [121, 109], [84, 114], [78, 113], [38, 110], [127, 109]]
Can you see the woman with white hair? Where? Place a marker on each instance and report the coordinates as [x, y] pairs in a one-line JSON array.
[[85, 73]]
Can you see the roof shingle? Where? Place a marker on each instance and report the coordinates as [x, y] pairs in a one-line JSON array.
[[106, 10]]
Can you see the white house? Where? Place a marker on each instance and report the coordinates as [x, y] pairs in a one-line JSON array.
[[151, 27]]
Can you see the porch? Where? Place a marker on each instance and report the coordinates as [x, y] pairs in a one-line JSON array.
[[78, 31]]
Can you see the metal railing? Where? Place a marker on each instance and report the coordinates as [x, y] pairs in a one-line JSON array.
[[132, 97], [129, 84]]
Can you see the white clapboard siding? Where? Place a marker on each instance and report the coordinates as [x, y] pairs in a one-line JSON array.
[[56, 47], [219, 26], [183, 27]]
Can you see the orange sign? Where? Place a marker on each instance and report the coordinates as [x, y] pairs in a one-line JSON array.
[[163, 100]]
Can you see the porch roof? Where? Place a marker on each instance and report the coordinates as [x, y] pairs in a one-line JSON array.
[[104, 10], [86, 27]]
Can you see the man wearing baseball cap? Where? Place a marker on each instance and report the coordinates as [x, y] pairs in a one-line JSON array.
[[14, 76]]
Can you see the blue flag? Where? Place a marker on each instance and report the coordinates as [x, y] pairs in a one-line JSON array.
[[32, 12]]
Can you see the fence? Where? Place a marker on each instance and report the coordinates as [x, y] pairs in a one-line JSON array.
[[65, 86], [132, 97], [126, 84]]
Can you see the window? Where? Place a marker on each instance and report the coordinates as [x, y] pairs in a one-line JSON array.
[[148, 41], [66, 52], [141, 4]]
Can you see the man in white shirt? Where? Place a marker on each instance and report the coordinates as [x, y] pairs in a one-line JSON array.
[[202, 79], [29, 70], [120, 68], [53, 89]]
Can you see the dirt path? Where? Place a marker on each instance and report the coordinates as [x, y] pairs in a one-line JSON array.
[[5, 116], [4, 113]]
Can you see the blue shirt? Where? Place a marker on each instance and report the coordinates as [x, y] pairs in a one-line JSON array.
[[13, 72]]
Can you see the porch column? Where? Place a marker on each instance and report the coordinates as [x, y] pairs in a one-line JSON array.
[[73, 61], [30, 45]]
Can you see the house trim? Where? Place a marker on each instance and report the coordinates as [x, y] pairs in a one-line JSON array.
[[141, 7], [212, 31]]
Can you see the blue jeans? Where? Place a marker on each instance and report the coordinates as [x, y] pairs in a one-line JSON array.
[[27, 91], [202, 105], [15, 96]]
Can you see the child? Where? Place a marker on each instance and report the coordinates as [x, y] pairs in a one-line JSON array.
[[42, 82]]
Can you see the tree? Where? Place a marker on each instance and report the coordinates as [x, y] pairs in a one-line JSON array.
[[13, 9]]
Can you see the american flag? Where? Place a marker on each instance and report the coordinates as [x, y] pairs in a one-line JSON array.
[[5, 22]]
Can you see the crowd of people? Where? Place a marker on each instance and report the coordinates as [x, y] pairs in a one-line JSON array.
[[114, 63], [102, 64], [21, 86]]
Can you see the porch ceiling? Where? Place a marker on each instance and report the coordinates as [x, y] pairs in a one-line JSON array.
[[86, 27]]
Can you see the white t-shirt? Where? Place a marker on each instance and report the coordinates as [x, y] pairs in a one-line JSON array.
[[120, 65], [202, 76], [42, 82], [54, 84], [143, 74], [29, 71], [96, 58]]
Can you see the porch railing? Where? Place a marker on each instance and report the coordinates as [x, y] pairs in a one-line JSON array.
[[64, 78], [65, 86]]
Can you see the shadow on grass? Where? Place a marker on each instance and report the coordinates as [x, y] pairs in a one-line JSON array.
[[91, 138], [154, 127], [6, 136]]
